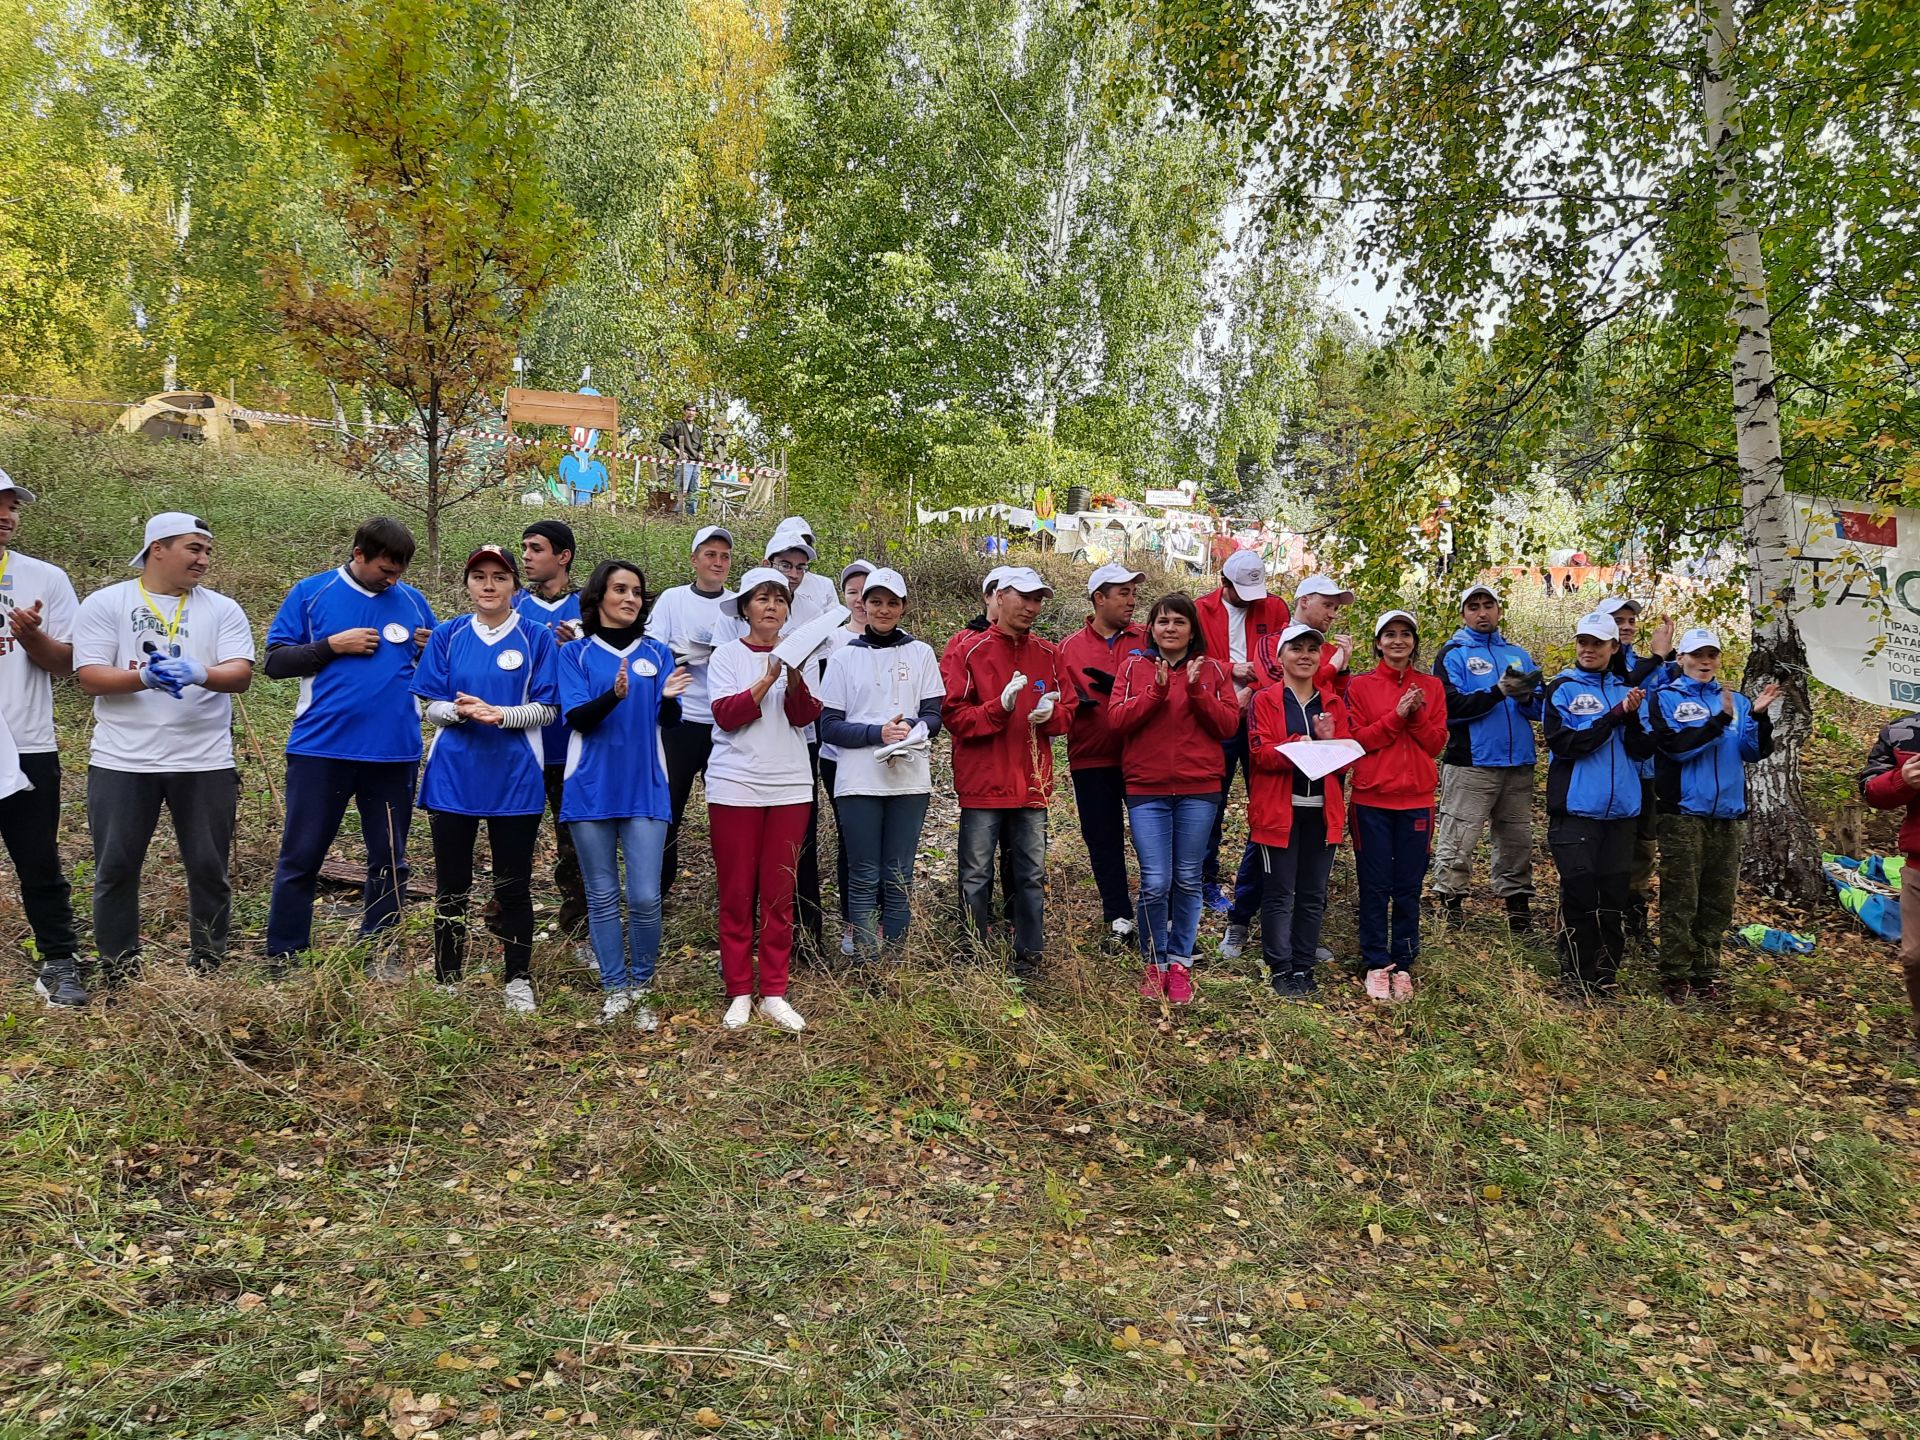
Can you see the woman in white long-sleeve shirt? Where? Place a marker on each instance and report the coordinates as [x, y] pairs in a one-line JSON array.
[[490, 683]]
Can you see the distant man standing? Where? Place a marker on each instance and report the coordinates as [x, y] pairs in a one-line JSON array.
[[161, 654], [549, 600], [689, 621], [37, 614], [1091, 659], [687, 444], [352, 637]]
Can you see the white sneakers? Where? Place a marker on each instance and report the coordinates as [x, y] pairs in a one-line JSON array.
[[633, 1005], [773, 1008], [776, 1009], [1234, 942], [519, 997], [616, 1004], [1122, 929]]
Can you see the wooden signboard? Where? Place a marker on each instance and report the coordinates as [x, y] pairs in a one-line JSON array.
[[563, 407]]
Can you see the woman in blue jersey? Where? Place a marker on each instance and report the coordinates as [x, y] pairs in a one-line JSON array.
[[618, 689], [490, 680]]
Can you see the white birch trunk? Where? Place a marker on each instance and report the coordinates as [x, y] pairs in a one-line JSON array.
[[1782, 853]]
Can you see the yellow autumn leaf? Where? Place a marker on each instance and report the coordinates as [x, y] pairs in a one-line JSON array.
[[708, 1418]]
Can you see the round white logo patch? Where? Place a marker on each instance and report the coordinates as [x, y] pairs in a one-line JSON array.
[[645, 667], [1586, 705], [1688, 711], [1479, 665], [511, 660], [397, 633]]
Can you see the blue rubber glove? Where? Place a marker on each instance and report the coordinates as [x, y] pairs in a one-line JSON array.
[[155, 676], [180, 671]]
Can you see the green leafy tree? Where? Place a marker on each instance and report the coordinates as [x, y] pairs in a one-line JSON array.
[[450, 225]]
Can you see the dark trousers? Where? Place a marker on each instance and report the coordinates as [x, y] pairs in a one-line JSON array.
[[1595, 860], [510, 839], [1646, 851], [1293, 898], [123, 811], [1391, 849], [1100, 795], [687, 746], [1234, 751], [318, 792], [566, 862], [806, 880], [1021, 838], [829, 769], [30, 829]]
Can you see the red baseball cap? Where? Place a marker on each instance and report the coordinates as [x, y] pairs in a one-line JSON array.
[[496, 553]]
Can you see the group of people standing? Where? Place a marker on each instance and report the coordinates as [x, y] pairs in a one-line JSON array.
[[603, 704]]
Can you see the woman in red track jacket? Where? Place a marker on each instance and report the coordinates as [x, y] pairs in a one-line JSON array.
[[1295, 821], [1172, 705], [1400, 716]]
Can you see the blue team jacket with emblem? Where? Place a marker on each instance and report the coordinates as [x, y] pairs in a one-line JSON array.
[[1701, 752], [1485, 727], [1596, 746]]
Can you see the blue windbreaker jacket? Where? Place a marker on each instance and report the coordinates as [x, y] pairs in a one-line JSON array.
[[1700, 752], [1596, 745], [1484, 727]]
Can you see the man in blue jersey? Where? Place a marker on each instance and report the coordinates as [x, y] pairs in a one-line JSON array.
[[549, 599], [352, 638]]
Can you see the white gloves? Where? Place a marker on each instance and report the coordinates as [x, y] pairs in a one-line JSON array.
[[1012, 692], [1042, 712]]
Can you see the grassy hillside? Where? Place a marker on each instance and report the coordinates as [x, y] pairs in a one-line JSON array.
[[326, 1208]]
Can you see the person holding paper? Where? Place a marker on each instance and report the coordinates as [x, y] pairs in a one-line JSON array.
[[1091, 658], [1890, 780], [759, 795], [1593, 732], [1172, 706], [1705, 734], [1399, 716], [881, 704], [1493, 700], [1295, 817]]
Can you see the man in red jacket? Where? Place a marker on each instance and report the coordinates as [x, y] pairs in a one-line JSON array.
[[975, 630], [1091, 657], [1003, 709], [1890, 781], [1234, 619]]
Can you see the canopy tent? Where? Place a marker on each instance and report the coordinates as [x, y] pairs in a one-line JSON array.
[[185, 415]]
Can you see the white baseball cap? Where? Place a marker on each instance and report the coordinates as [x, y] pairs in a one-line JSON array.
[[166, 527], [7, 482], [1614, 604], [789, 540], [710, 532], [1323, 585], [1478, 589], [995, 577], [1113, 575], [1597, 625], [1246, 573], [794, 525], [1294, 632], [891, 581], [1699, 638], [1393, 615], [758, 575], [1025, 580], [858, 567]]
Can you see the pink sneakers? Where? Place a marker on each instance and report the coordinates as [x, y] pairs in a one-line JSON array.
[[1179, 985], [1380, 986], [1402, 986], [1153, 985]]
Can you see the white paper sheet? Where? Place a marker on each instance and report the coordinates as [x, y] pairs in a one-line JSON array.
[[801, 646], [1317, 759]]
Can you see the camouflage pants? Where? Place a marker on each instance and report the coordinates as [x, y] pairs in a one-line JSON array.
[[1699, 874]]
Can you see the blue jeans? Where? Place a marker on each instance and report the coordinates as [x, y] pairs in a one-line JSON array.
[[686, 477], [318, 792], [880, 835], [1390, 853], [1293, 900], [1170, 837], [629, 965], [1020, 837]]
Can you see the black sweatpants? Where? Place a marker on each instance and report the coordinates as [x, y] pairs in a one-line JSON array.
[[1595, 859], [30, 829], [687, 746], [510, 839], [123, 811]]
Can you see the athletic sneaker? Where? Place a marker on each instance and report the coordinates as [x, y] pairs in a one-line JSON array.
[[1179, 985], [846, 940], [776, 1009], [1323, 956], [1153, 983], [59, 985], [739, 1011], [613, 1005], [519, 997], [1292, 984], [1402, 986], [1121, 935], [584, 957], [1218, 900], [642, 1012], [1234, 945], [1380, 985]]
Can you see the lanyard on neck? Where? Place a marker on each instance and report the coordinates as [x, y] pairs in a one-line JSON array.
[[170, 627]]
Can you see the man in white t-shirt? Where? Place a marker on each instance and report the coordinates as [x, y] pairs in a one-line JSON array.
[[162, 654], [683, 617], [37, 609]]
